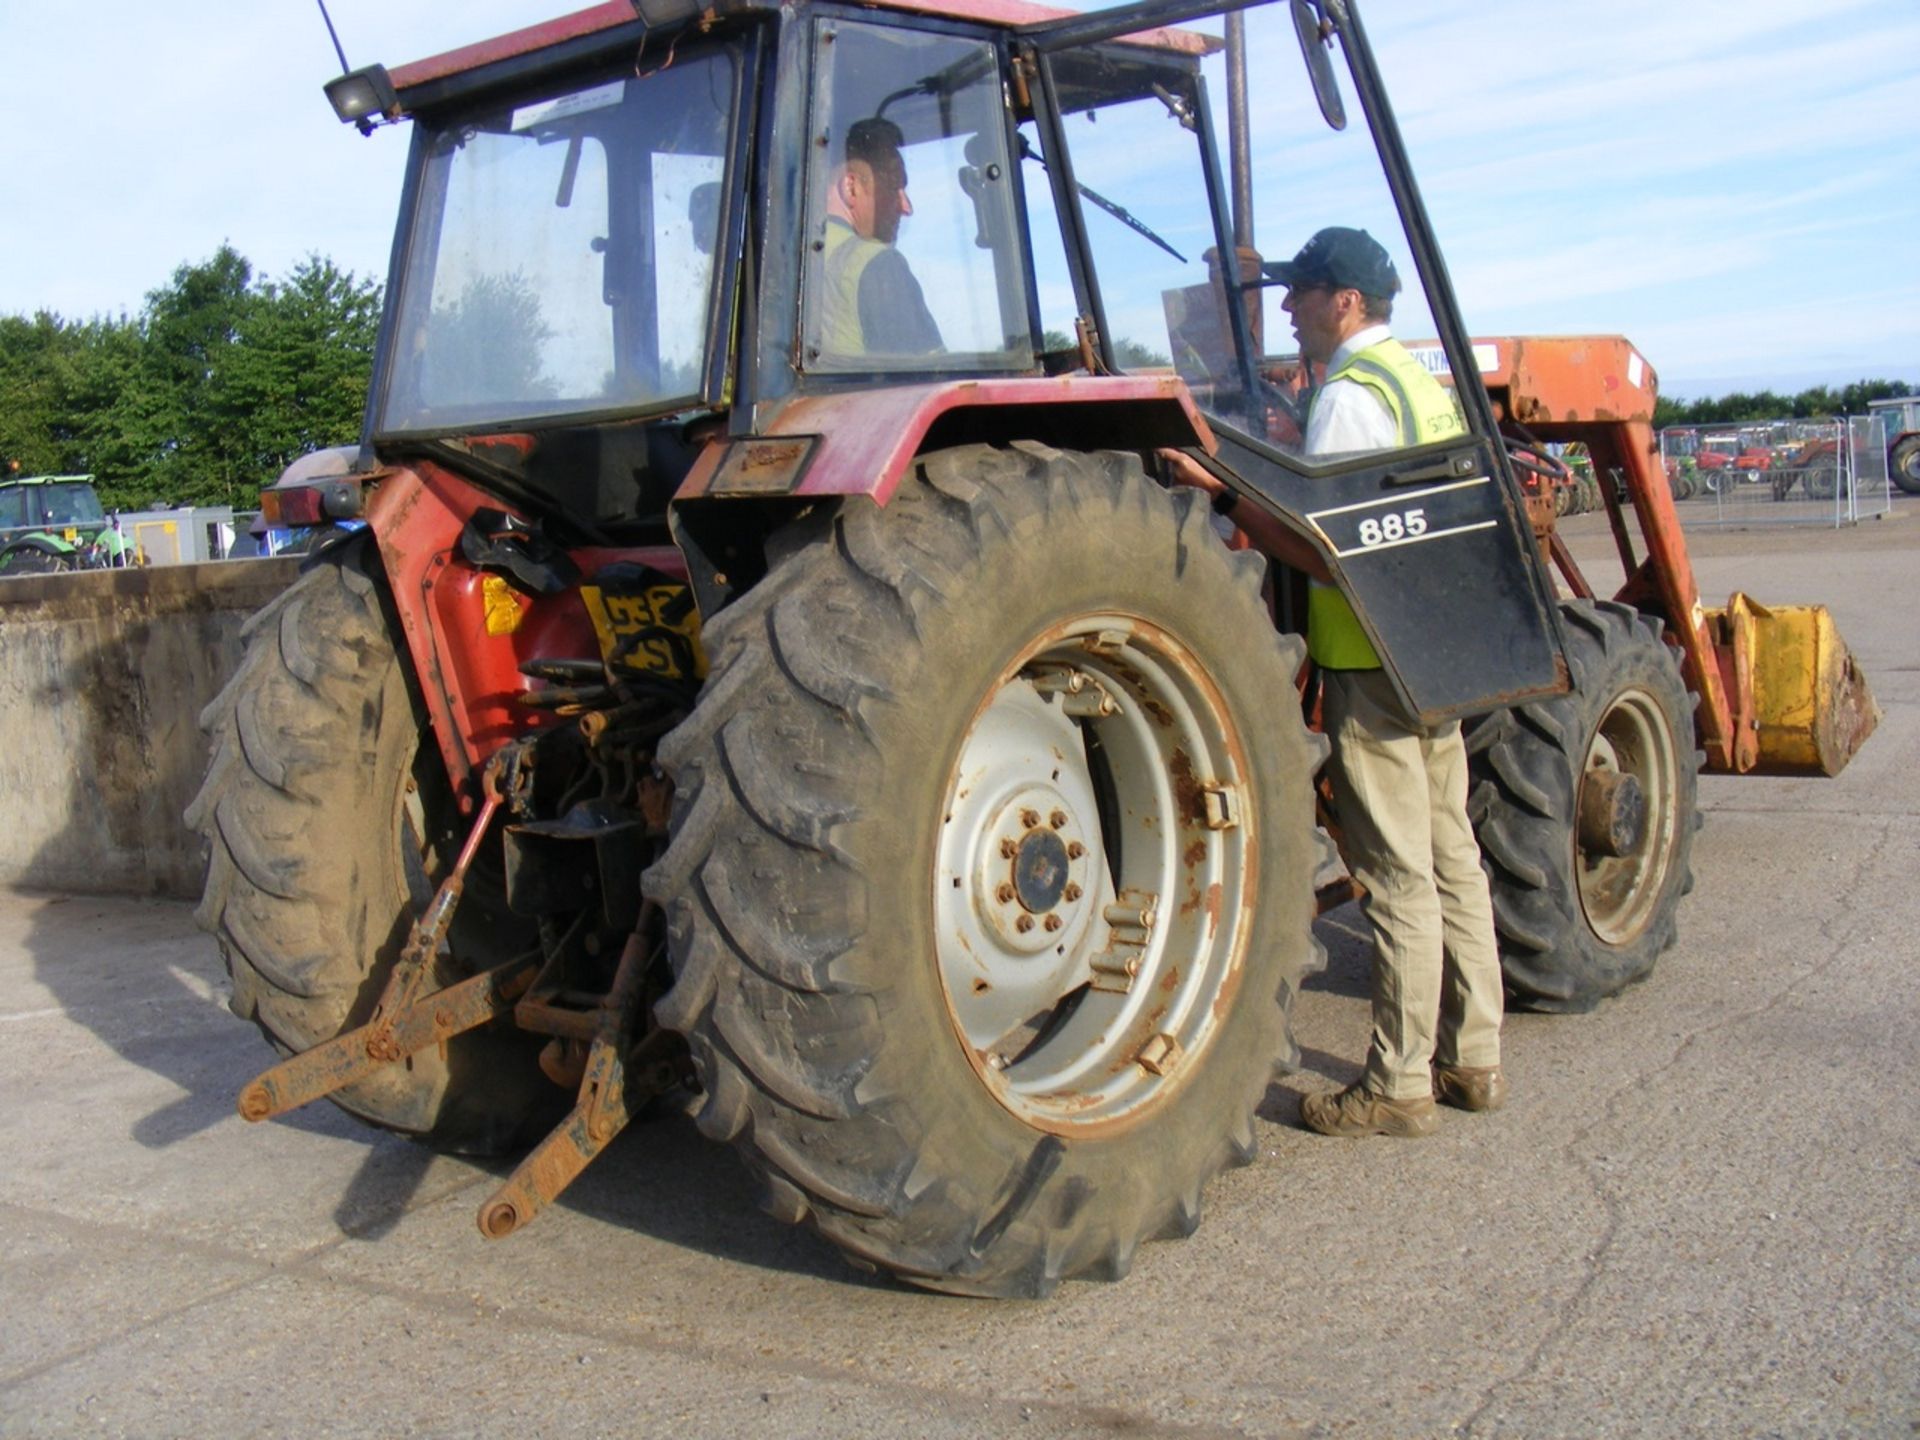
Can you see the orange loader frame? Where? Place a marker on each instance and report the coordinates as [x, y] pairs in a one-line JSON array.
[[1779, 693]]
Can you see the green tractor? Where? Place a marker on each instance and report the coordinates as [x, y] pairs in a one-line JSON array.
[[50, 523]]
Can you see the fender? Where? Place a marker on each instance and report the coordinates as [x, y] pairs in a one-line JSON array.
[[860, 442], [468, 673]]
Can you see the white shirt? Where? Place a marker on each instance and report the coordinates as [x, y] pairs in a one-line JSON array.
[[1348, 417]]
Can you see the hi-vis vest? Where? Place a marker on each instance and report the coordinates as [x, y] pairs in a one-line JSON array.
[[847, 255], [1423, 410]]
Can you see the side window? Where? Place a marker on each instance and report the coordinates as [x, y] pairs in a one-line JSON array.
[[1343, 334], [914, 261]]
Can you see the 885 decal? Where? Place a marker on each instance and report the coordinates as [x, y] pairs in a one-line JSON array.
[[1394, 525], [1430, 514]]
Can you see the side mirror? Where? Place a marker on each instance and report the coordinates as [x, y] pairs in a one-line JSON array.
[[1316, 36]]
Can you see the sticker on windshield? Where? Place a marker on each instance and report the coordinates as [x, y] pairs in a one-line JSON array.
[[548, 112]]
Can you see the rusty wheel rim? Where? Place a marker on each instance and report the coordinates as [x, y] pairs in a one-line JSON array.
[[1620, 894], [1096, 851]]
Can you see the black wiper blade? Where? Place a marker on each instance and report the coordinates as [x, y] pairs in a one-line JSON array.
[[1119, 212]]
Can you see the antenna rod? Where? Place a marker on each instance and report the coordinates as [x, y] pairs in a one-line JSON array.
[[335, 35]]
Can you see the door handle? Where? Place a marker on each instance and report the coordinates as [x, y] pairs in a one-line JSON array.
[[1453, 467]]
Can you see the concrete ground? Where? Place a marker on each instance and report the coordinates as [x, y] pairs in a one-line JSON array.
[[1696, 1217]]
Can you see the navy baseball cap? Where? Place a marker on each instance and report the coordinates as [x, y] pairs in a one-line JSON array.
[[1342, 258]]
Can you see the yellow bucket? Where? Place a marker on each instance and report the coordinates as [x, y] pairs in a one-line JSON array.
[[1810, 707]]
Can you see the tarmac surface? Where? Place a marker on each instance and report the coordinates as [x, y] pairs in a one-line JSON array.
[[1695, 1217]]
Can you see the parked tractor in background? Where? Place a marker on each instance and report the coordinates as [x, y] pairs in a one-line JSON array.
[[1901, 419], [854, 736], [50, 523]]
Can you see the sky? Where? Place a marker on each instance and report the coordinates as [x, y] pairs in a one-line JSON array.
[[1734, 184]]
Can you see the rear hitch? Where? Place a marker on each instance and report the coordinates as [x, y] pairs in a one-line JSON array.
[[619, 1076]]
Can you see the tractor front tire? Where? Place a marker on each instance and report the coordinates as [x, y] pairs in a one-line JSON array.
[[1585, 805], [990, 879], [328, 823]]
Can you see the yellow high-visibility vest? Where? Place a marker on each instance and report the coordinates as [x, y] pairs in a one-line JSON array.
[[1423, 411]]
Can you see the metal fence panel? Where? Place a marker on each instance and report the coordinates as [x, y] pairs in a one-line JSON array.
[[1872, 485], [1777, 472]]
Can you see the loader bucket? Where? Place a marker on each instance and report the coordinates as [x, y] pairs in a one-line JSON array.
[[1797, 685]]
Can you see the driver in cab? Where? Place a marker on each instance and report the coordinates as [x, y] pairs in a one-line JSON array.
[[871, 304]]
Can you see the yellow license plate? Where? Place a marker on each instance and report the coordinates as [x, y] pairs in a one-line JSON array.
[[653, 628]]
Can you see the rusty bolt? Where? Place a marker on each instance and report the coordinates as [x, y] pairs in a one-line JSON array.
[[1023, 924], [1030, 818], [1075, 850], [1009, 849], [1072, 892], [1053, 923], [1058, 819], [1004, 894], [255, 1103]]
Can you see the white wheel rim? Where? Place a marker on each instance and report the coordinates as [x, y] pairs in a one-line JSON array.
[[1036, 928]]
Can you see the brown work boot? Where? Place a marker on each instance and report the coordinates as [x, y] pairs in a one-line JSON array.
[[1468, 1087], [1356, 1110]]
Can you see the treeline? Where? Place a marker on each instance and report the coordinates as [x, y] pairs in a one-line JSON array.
[[204, 396], [1822, 402]]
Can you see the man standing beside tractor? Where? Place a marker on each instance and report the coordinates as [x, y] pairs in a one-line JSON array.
[[1400, 790]]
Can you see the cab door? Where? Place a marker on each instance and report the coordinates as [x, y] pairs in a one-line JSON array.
[[1180, 262]]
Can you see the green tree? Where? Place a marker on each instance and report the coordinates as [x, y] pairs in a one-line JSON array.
[[293, 379], [206, 396], [1819, 402]]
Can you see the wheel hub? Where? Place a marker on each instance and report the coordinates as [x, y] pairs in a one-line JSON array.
[[1613, 813], [1040, 871], [1033, 870]]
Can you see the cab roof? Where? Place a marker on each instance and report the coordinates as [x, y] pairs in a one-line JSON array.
[[614, 14]]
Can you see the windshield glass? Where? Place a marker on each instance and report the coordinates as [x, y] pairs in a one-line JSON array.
[[562, 254], [72, 504]]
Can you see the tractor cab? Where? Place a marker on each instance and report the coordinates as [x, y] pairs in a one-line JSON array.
[[653, 268]]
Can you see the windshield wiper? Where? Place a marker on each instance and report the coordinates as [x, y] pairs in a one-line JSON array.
[[1139, 227]]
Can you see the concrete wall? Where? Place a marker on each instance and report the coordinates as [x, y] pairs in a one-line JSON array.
[[103, 675]]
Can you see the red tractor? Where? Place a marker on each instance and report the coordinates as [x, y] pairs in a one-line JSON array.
[[772, 671]]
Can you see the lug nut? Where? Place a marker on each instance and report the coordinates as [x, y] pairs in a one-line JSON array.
[[1058, 819], [1004, 894], [1072, 892], [1053, 922], [1075, 850], [1009, 849], [1023, 924], [1030, 818]]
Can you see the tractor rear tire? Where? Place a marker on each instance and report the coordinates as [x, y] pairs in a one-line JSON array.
[[1578, 922], [34, 560], [897, 852], [328, 823], [1903, 464]]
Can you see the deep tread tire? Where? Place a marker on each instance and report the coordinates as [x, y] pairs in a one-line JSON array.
[[1903, 464], [34, 560], [312, 807], [1527, 767], [807, 817]]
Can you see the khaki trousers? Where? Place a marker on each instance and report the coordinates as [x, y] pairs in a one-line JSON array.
[[1401, 795]]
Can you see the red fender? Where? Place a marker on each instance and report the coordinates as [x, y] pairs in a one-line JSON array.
[[860, 442]]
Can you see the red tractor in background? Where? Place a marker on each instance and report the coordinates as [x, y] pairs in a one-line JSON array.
[[857, 738]]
